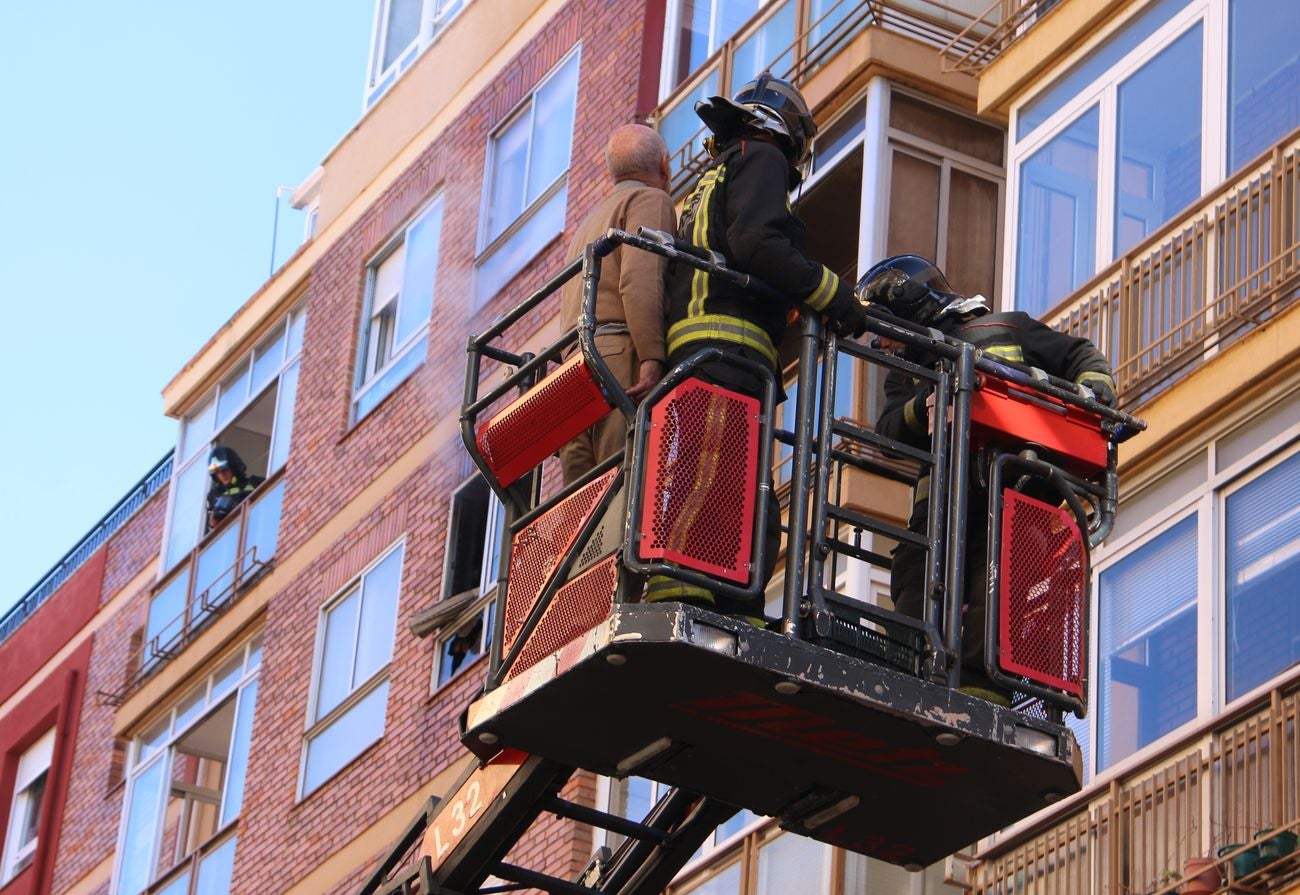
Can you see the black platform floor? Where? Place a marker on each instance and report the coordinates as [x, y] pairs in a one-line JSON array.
[[841, 750]]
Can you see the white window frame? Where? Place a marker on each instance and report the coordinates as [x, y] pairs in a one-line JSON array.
[[435, 17], [370, 369], [672, 43], [484, 607], [201, 425], [1103, 92], [155, 741], [36, 763], [488, 244], [316, 722]]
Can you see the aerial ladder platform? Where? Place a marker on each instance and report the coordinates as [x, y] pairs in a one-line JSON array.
[[841, 718]]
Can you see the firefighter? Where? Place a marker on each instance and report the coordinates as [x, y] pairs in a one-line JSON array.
[[630, 307], [740, 208], [231, 483], [913, 288]]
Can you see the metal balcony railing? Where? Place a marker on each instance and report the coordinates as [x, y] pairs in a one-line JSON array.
[[1199, 283], [989, 36], [804, 49], [102, 530], [229, 560], [1221, 806]]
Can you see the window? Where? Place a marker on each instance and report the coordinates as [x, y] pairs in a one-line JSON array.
[[25, 809], [633, 797], [399, 301], [403, 29], [354, 648], [1127, 138], [251, 411], [474, 539], [185, 786], [525, 190], [694, 29]]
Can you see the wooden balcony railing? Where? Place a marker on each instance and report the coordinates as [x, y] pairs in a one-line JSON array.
[[812, 42], [1222, 805], [1200, 282], [989, 36]]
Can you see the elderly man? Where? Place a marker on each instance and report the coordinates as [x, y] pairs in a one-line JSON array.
[[630, 307]]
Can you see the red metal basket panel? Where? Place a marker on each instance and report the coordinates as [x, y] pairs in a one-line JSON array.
[[536, 551], [536, 424], [1044, 594], [1002, 413], [578, 607], [701, 479]]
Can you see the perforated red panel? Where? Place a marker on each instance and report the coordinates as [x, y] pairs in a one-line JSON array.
[[536, 550], [701, 475], [536, 424], [578, 607], [1044, 594]]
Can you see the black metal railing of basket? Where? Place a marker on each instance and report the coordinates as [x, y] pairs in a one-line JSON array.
[[100, 532]]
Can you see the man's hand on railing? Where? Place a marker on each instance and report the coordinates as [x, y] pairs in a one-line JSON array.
[[650, 374]]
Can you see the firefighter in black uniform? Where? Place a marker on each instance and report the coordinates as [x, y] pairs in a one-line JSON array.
[[913, 288], [231, 483], [741, 209]]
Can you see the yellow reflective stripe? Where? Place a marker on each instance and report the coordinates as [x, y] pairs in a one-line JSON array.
[[661, 588], [1007, 352], [912, 417], [825, 290], [921, 491], [1096, 376], [722, 328], [700, 237]]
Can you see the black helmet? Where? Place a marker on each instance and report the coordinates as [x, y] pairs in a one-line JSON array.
[[768, 104], [225, 458], [913, 288]]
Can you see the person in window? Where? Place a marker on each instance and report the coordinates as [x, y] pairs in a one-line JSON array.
[[740, 208], [913, 288], [630, 308], [231, 483]]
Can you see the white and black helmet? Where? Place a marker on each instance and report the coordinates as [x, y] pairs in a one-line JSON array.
[[768, 104]]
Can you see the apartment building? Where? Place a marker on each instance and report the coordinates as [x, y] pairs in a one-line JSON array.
[[242, 707]]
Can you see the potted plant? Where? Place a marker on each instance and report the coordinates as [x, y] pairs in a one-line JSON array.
[[1273, 846], [1201, 876]]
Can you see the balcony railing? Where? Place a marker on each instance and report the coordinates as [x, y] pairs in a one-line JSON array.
[[102, 530], [229, 560], [989, 36], [1200, 282], [1229, 795], [805, 42]]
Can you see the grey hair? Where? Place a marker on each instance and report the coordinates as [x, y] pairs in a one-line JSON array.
[[634, 149]]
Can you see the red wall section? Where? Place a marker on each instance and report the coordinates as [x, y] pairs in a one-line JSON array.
[[52, 625]]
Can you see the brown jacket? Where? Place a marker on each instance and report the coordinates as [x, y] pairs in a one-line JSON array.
[[631, 288]]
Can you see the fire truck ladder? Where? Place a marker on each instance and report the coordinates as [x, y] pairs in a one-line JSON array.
[[836, 709]]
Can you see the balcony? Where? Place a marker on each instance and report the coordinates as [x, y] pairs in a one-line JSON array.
[[227, 562], [793, 40], [1201, 282], [1223, 802], [990, 35]]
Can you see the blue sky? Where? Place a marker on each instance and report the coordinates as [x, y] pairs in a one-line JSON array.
[[140, 152]]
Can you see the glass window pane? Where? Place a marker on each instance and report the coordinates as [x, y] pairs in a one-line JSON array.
[[188, 510], [1263, 565], [1056, 236], [297, 325], [378, 616], [1158, 145], [214, 574], [402, 27], [682, 129], [552, 130], [838, 135], [506, 178], [1147, 685], [178, 886], [190, 707], [336, 654], [758, 52], [394, 376], [282, 433], [693, 48], [198, 430], [263, 527], [828, 17], [226, 676], [510, 257], [141, 830], [459, 650], [233, 393], [166, 616], [792, 863], [267, 359], [216, 869], [343, 740], [725, 883], [420, 275], [1263, 77], [232, 801]]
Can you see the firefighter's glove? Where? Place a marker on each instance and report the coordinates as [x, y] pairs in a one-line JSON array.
[[848, 318], [1101, 385]]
